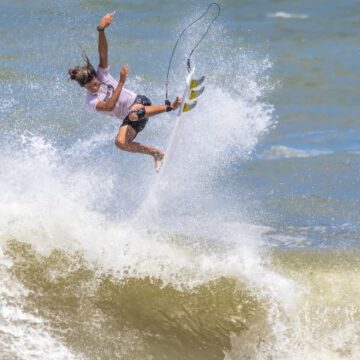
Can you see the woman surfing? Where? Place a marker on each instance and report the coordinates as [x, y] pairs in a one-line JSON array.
[[109, 96]]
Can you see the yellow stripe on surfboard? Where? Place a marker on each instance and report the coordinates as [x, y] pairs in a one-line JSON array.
[[196, 93], [188, 107], [195, 83]]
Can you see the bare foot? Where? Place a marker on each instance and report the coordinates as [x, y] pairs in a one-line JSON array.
[[176, 103], [158, 157]]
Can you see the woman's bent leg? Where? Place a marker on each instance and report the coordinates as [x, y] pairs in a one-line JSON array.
[[124, 141]]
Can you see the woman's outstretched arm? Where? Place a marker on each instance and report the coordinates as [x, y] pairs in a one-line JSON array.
[[102, 44]]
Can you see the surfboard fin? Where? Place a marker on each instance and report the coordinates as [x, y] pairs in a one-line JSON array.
[[195, 83], [196, 93], [187, 107]]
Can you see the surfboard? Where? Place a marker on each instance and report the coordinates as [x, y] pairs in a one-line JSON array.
[[193, 89], [191, 93]]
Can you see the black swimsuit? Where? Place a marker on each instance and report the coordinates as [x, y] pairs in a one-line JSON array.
[[138, 125]]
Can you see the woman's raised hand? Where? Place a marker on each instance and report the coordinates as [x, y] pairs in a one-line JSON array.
[[106, 20], [123, 73]]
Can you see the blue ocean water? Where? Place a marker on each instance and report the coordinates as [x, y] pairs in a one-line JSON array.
[[246, 248]]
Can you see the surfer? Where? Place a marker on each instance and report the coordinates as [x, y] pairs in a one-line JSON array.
[[105, 94]]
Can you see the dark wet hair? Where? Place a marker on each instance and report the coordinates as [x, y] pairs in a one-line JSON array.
[[82, 74]]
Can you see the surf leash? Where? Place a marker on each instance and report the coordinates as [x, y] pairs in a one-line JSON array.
[[188, 62]]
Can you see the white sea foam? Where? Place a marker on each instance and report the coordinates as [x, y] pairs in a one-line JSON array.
[[24, 335], [55, 211], [286, 15], [50, 206], [285, 152]]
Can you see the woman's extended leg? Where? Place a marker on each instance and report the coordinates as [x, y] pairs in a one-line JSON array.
[[151, 110], [124, 141]]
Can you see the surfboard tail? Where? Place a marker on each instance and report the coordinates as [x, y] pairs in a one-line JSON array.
[[196, 93], [192, 92], [196, 82]]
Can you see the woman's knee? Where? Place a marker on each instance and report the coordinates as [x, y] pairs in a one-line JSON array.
[[124, 137], [121, 143]]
